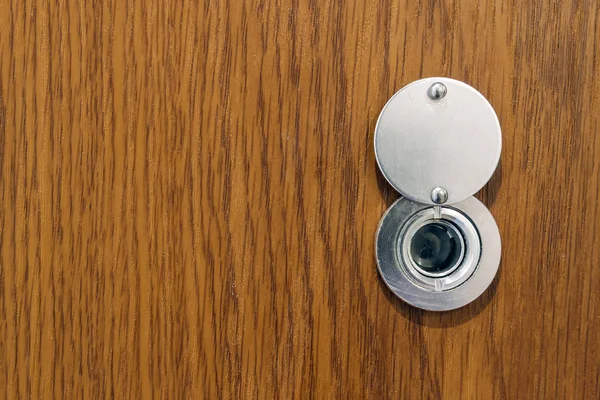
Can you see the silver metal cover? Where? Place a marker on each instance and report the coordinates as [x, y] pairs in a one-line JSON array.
[[453, 142]]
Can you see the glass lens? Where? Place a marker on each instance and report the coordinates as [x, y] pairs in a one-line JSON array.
[[435, 247]]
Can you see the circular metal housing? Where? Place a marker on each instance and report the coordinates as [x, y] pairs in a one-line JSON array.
[[450, 288], [438, 133]]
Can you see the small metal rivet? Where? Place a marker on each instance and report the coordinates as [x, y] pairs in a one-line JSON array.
[[439, 195], [437, 91]]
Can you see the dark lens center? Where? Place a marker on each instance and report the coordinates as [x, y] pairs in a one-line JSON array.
[[435, 247]]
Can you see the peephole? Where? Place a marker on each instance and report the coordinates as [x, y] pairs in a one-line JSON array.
[[438, 247]]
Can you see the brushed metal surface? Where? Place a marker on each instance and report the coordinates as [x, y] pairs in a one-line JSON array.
[[453, 142]]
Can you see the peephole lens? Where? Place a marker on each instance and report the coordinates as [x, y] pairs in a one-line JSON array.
[[436, 247]]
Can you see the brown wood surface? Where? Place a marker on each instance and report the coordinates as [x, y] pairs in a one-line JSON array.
[[189, 198]]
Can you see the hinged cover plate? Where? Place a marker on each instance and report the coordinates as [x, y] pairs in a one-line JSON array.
[[453, 142]]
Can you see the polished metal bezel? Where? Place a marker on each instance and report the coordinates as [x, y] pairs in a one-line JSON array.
[[437, 296]]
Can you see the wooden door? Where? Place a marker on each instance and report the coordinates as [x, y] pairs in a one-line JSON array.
[[189, 198]]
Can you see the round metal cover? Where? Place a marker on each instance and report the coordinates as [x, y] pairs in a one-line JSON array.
[[432, 136]]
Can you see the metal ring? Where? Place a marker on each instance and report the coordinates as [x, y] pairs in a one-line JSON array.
[[460, 286], [460, 272], [420, 220]]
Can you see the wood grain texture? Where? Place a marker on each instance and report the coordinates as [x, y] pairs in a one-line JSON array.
[[189, 200]]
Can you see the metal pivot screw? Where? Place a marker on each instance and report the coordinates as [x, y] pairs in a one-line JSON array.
[[439, 195], [437, 91]]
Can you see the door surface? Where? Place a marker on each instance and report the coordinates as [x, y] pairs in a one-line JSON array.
[[189, 198]]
